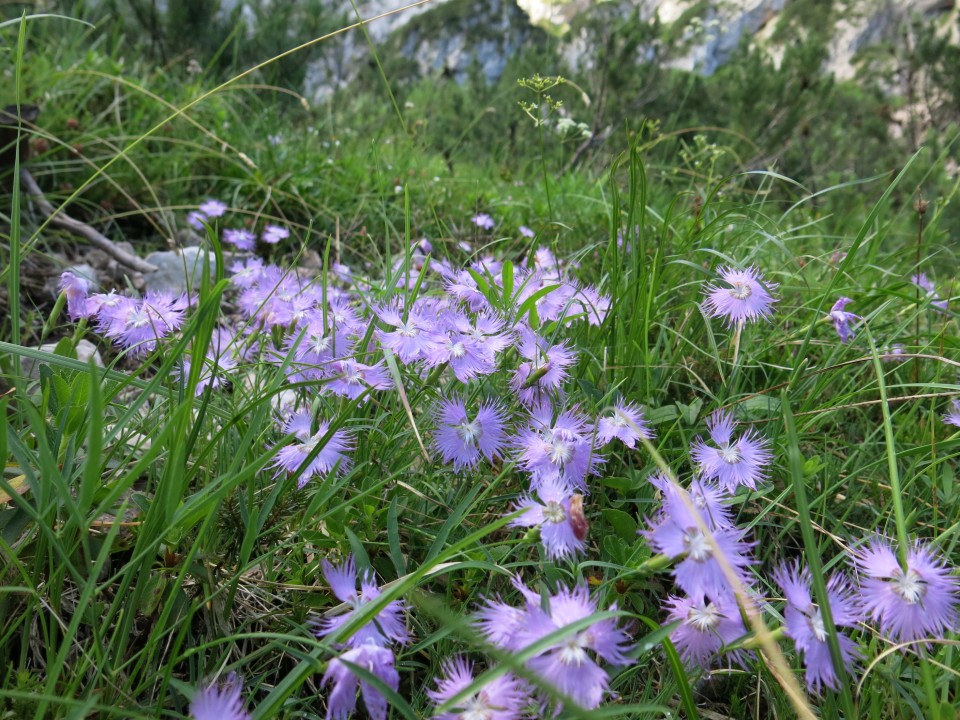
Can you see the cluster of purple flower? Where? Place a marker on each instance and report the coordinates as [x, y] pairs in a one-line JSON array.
[[326, 337], [485, 222], [241, 239], [910, 602], [136, 325]]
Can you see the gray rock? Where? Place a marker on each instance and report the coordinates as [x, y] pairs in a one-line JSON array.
[[178, 270], [85, 350]]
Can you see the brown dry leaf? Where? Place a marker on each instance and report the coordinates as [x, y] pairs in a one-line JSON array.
[[19, 486]]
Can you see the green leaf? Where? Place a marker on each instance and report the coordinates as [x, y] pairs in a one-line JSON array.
[[665, 414], [622, 523]]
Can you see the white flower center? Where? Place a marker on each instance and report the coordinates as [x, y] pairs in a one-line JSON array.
[[815, 621], [468, 432], [740, 290], [560, 451], [553, 512], [698, 547], [458, 350], [730, 454], [476, 709], [704, 619], [910, 586], [320, 344], [572, 653], [408, 330], [139, 319]]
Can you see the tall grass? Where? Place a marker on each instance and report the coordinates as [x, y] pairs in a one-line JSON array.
[[150, 544]]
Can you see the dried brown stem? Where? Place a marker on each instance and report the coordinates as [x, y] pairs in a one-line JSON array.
[[60, 219]]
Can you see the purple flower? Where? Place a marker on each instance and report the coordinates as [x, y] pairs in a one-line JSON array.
[[388, 626], [489, 334], [592, 304], [196, 220], [545, 370], [291, 457], [76, 288], [925, 284], [842, 319], [139, 324], [272, 234], [564, 664], [747, 297], [343, 696], [626, 423], [240, 239], [483, 221], [544, 261], [732, 462], [559, 516], [676, 534], [351, 379], [503, 698], [952, 417], [213, 208], [804, 623], [705, 626], [465, 356], [213, 372], [893, 353], [219, 703], [920, 279], [708, 500], [463, 441], [248, 273], [559, 447], [413, 338], [911, 603], [527, 232], [462, 286], [557, 303]]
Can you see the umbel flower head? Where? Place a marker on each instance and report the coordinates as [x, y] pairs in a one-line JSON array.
[[912, 603], [221, 702], [804, 623], [741, 296], [732, 462]]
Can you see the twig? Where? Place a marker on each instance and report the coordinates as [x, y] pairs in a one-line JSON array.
[[61, 220]]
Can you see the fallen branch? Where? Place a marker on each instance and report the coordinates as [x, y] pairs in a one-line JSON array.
[[60, 219]]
